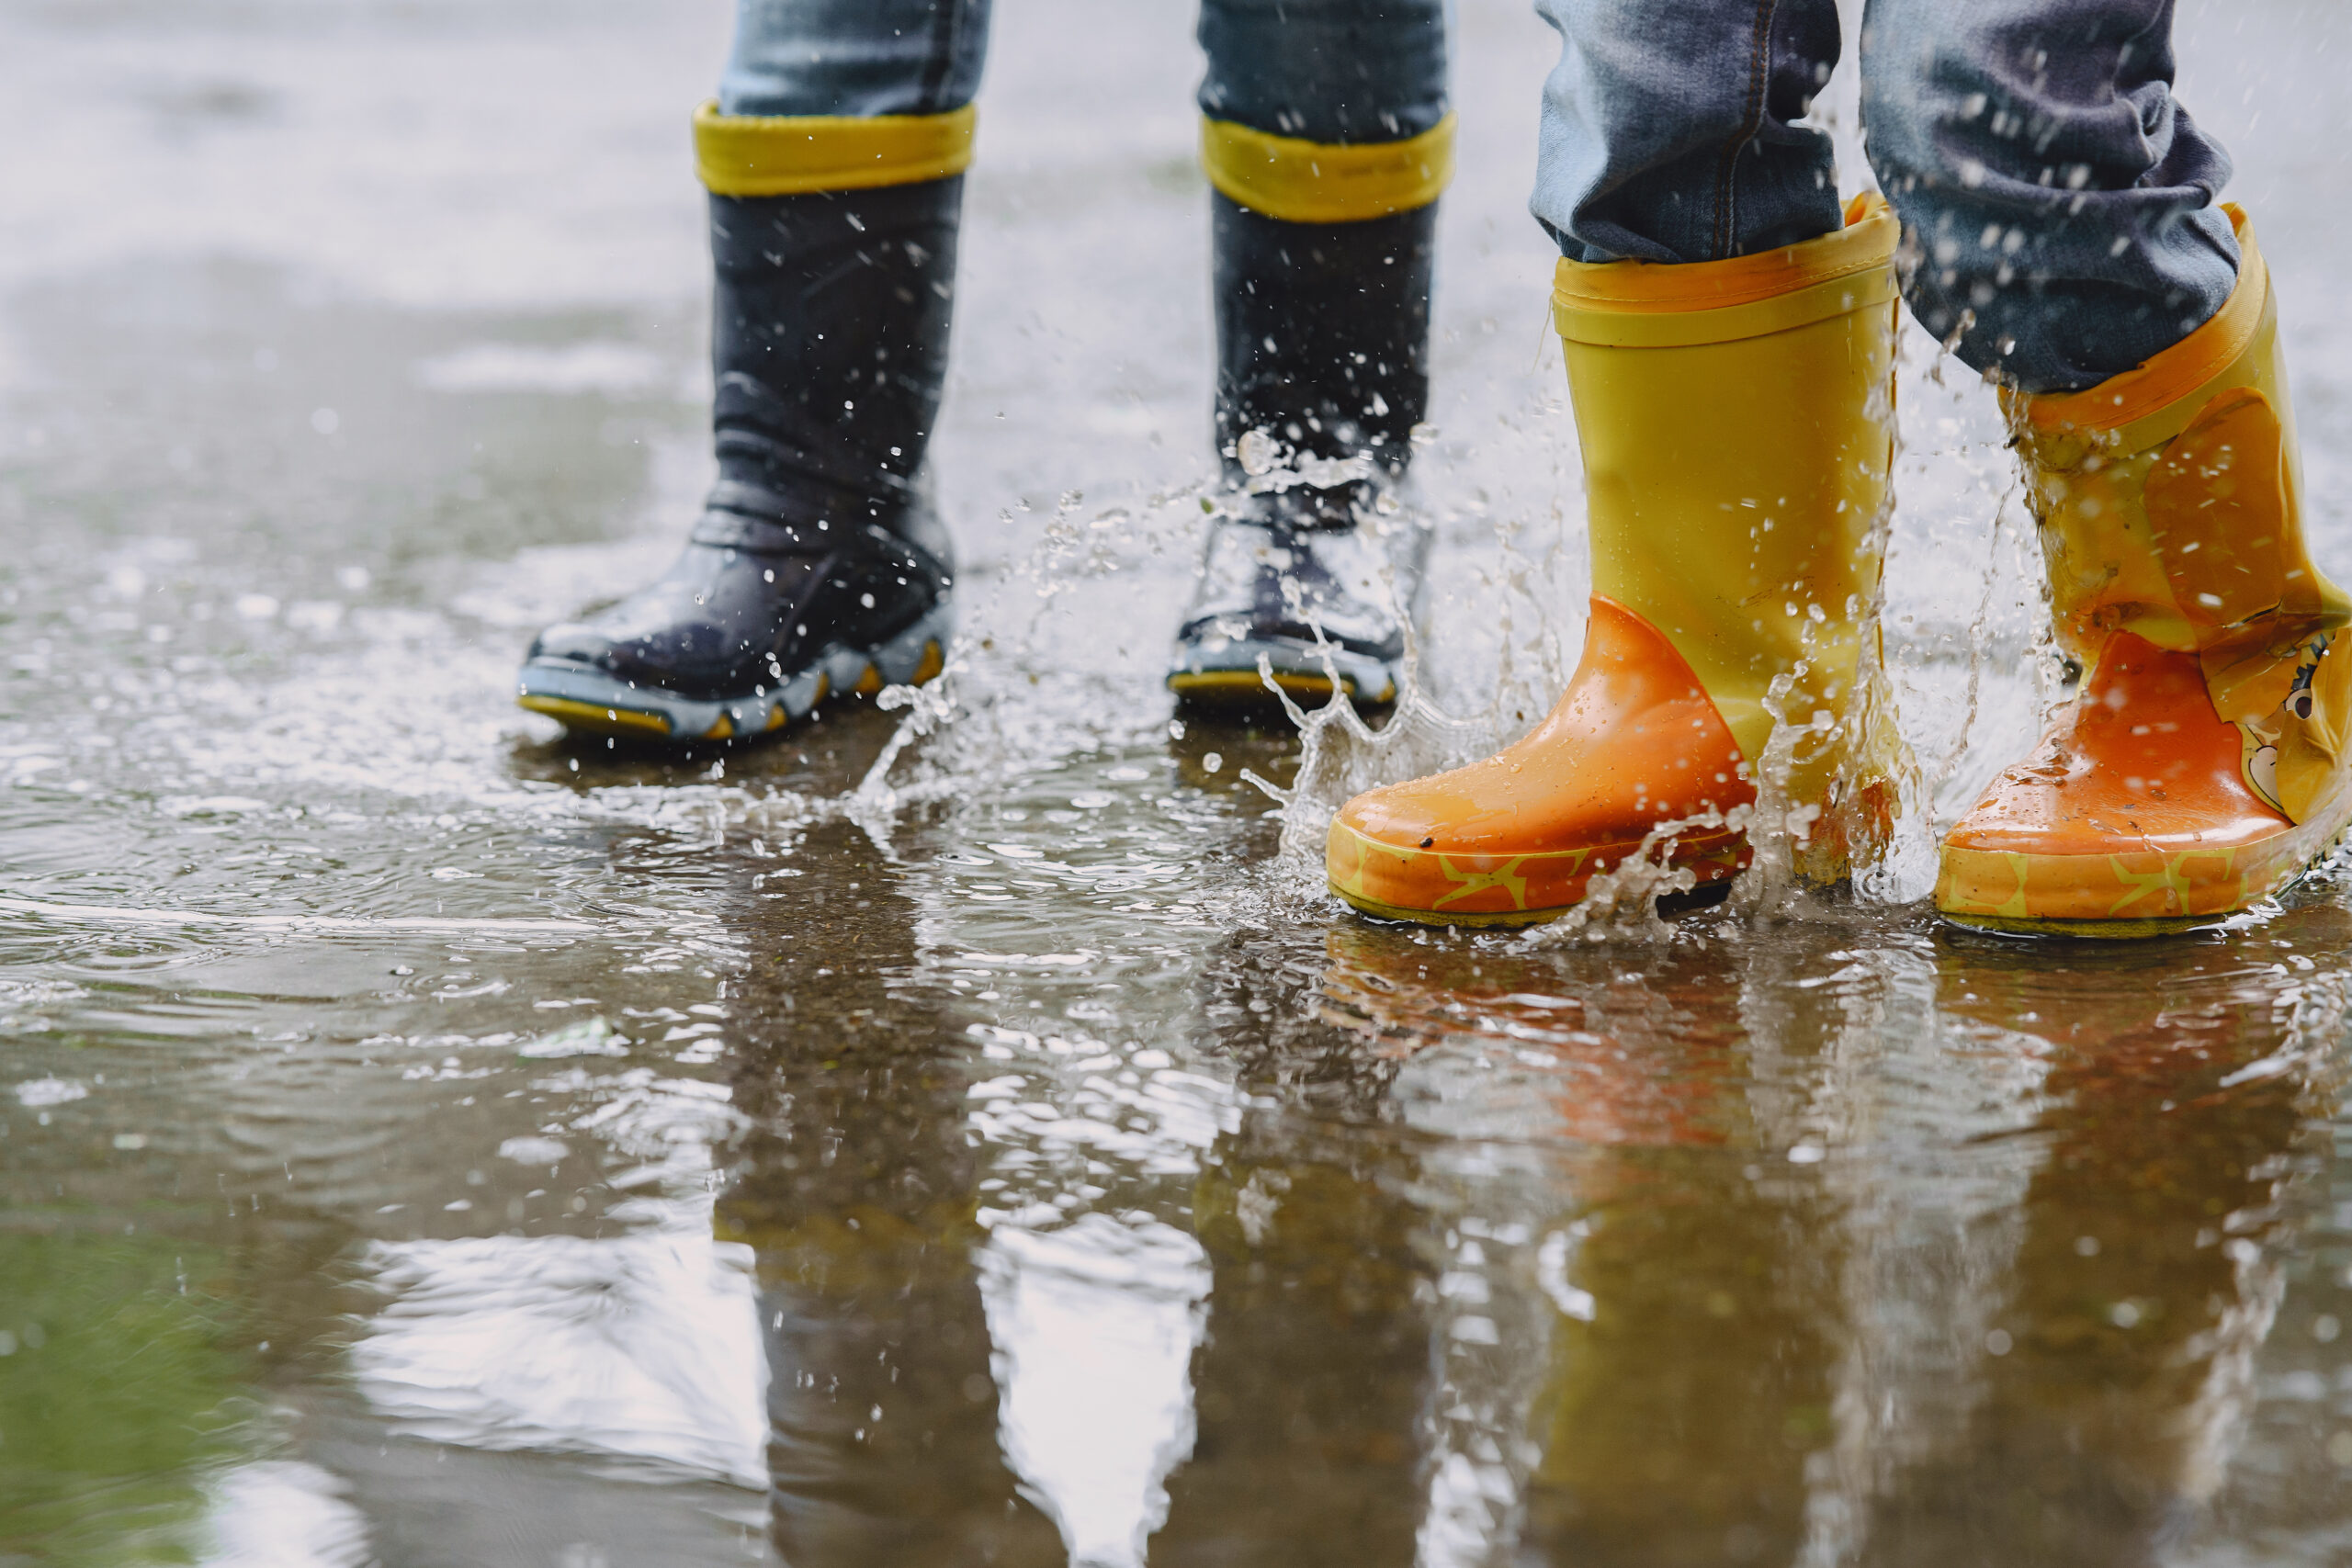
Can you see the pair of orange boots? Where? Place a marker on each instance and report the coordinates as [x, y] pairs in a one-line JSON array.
[[1736, 420]]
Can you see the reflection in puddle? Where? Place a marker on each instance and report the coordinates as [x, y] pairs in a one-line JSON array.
[[638, 1347], [1094, 1328], [282, 1514]]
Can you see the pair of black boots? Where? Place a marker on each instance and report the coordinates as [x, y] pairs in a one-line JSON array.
[[819, 564]]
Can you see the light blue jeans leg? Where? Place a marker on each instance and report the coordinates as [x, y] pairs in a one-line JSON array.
[[854, 57], [2059, 202]]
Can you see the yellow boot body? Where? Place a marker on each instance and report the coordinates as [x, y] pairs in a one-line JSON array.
[[1736, 422]]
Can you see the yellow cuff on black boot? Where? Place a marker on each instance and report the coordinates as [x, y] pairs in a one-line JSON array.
[[801, 154], [1326, 182]]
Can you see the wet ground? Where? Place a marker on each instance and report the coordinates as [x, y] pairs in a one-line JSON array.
[[428, 1142]]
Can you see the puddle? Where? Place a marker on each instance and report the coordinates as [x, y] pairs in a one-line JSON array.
[[968, 1133]]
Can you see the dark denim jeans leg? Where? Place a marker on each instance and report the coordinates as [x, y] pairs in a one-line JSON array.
[[1672, 133], [1330, 71], [2059, 200]]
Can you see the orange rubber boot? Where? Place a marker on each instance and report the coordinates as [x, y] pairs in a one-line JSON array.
[[1735, 421], [1641, 744], [2201, 765]]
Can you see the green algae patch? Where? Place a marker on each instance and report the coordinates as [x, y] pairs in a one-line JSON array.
[[119, 1395]]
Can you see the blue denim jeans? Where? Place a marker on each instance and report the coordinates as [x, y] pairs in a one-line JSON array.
[[2057, 202], [1340, 71]]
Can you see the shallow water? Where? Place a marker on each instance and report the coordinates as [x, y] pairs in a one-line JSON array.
[[429, 1142]]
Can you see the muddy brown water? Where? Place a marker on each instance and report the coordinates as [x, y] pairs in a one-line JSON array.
[[427, 1141]]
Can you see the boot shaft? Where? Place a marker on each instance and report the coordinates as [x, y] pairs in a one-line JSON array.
[[832, 244], [828, 346], [2170, 500], [1321, 269], [1322, 334], [1737, 422]]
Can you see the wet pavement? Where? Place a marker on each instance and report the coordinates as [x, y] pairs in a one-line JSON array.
[[430, 1142]]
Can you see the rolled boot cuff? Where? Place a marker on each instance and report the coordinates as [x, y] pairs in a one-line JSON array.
[[751, 155], [2170, 502], [1319, 182], [2155, 401], [1636, 304]]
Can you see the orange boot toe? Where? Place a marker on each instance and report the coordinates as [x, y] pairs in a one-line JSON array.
[[1634, 743], [2133, 818]]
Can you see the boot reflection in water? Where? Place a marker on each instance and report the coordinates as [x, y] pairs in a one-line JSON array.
[[1729, 350], [834, 156], [1678, 1414], [1311, 1384], [856, 1192], [1748, 1364], [2117, 1371]]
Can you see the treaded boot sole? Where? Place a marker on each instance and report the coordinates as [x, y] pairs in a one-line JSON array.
[[1379, 910], [590, 702], [2086, 930], [1229, 678]]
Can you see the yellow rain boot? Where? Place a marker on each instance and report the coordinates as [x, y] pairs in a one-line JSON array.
[[2201, 763], [1736, 420]]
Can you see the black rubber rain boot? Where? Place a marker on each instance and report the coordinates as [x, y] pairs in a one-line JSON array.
[[817, 565], [1322, 374]]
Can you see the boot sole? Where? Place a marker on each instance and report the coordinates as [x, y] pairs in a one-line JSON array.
[[589, 702], [1714, 857], [1228, 679], [2085, 931], [1705, 895], [1995, 890], [1379, 910]]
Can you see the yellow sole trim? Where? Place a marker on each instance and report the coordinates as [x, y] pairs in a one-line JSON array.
[[1242, 688], [1236, 685], [1325, 181], [1354, 861], [1440, 918], [801, 154], [933, 661], [598, 720], [2154, 888]]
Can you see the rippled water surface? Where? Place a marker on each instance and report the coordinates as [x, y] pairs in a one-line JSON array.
[[424, 1140]]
